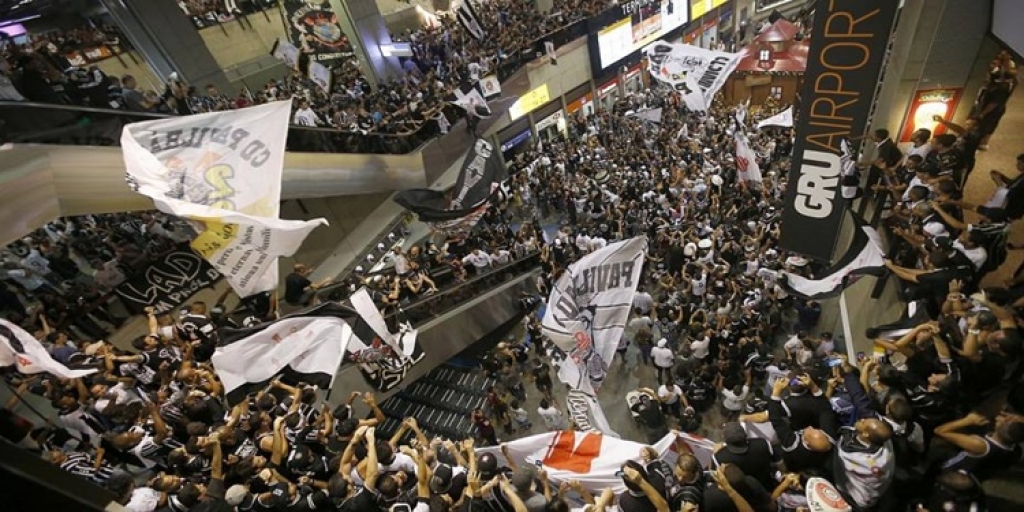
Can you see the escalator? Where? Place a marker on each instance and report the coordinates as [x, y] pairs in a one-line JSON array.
[[58, 161], [454, 319]]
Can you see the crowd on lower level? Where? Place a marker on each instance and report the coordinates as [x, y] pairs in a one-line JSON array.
[[722, 347]]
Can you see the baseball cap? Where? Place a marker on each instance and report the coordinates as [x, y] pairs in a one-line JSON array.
[[235, 494], [735, 438], [441, 482]]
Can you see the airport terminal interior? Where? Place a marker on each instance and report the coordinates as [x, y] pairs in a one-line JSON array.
[[511, 255]]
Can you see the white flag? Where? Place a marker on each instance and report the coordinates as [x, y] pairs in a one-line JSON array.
[[865, 256], [222, 171], [27, 354], [586, 315], [691, 69], [320, 75], [784, 119], [490, 86], [306, 349], [592, 459], [286, 52], [746, 160]]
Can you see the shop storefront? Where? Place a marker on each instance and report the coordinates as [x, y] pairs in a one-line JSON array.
[[515, 139], [552, 127], [633, 80], [583, 104], [608, 94]]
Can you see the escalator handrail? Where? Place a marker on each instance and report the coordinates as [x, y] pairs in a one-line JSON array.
[[529, 262], [75, 109]]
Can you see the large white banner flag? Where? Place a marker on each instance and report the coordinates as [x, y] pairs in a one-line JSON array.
[[593, 459], [302, 349], [690, 69], [747, 168], [20, 349], [222, 171], [783, 119], [320, 75], [585, 317]]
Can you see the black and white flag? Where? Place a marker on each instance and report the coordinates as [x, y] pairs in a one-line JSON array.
[[20, 349], [307, 346], [915, 315], [864, 257], [469, 98], [389, 356], [458, 210], [469, 20]]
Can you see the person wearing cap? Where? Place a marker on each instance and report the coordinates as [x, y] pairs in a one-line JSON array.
[[650, 416], [640, 495], [664, 359], [755, 456]]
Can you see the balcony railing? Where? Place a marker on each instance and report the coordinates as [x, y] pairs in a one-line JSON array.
[[43, 123]]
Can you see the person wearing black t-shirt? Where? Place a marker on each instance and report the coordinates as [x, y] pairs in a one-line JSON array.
[[933, 283], [298, 289], [754, 456]]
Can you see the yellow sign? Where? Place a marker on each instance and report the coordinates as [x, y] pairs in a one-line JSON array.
[[699, 8], [529, 102]]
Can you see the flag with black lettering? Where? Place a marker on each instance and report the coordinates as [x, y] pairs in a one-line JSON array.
[[865, 256], [691, 70], [587, 312], [222, 172], [20, 349], [469, 20]]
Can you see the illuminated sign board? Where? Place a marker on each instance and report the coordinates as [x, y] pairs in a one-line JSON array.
[[642, 22], [529, 102], [926, 105], [699, 8]]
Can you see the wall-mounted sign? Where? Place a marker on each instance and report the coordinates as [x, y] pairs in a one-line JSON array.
[[699, 8], [516, 140], [608, 88], [926, 105], [642, 23], [580, 104], [529, 102], [557, 119]]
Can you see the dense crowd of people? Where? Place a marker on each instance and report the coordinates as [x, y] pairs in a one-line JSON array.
[[60, 278], [445, 56], [920, 424]]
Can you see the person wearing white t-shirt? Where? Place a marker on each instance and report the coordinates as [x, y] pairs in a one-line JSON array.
[[735, 400], [664, 360], [701, 347], [553, 418], [643, 301], [672, 399], [582, 242], [501, 257], [305, 116], [477, 260], [969, 243]]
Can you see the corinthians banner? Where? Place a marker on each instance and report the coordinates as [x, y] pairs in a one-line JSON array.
[[313, 27], [693, 71], [848, 45], [168, 282], [222, 172], [585, 317]]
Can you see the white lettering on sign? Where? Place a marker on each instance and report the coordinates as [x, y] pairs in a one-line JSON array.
[[816, 188]]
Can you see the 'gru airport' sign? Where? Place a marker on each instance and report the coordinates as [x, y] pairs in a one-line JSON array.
[[848, 45]]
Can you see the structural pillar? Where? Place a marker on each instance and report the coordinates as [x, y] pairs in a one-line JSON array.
[[168, 40], [363, 24]]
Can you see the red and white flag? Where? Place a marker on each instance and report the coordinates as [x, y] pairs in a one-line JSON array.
[[747, 168]]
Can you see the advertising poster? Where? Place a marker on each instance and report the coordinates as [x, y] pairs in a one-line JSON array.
[[313, 27], [926, 105]]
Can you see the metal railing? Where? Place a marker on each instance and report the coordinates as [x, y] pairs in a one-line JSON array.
[[452, 294], [23, 121]]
